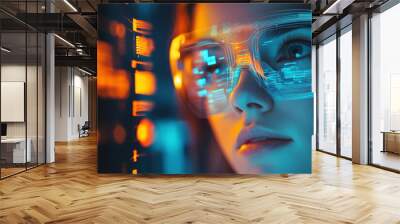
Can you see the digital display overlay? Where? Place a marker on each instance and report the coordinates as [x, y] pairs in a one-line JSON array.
[[204, 88]]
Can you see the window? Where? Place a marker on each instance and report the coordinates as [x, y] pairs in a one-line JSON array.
[[327, 96], [22, 77], [385, 89], [346, 92]]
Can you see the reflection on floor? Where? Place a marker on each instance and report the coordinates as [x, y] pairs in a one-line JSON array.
[[71, 191], [386, 159], [8, 170]]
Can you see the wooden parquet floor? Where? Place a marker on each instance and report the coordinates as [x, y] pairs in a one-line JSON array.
[[70, 191]]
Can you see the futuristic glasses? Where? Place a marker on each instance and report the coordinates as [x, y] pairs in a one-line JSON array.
[[275, 49]]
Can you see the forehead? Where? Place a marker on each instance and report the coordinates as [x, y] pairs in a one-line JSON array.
[[208, 14]]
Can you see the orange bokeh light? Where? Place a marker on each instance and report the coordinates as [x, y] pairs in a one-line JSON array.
[[145, 64], [119, 134], [144, 46], [145, 132], [135, 155], [140, 107], [111, 83], [141, 26], [178, 80], [145, 83], [117, 29]]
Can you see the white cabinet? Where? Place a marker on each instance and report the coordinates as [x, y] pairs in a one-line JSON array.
[[19, 155]]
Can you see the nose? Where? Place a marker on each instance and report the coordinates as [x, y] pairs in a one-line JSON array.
[[249, 96]]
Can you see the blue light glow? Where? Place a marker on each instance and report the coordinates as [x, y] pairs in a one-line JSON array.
[[201, 82], [202, 93], [211, 60], [196, 71]]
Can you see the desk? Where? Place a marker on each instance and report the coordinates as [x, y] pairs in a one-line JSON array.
[[15, 148], [391, 141]]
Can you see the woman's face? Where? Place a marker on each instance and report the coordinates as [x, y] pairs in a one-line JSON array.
[[258, 132], [265, 136]]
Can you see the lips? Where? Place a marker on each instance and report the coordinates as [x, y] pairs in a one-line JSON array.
[[253, 139]]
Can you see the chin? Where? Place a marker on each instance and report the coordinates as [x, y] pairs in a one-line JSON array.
[[269, 159]]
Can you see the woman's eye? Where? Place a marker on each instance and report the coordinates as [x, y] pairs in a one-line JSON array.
[[294, 50]]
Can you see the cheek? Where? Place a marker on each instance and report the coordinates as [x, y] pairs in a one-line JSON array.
[[296, 123], [293, 118], [300, 115], [226, 128]]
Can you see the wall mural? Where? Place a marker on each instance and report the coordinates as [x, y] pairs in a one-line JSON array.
[[204, 88]]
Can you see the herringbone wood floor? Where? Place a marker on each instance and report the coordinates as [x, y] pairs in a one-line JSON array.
[[70, 191]]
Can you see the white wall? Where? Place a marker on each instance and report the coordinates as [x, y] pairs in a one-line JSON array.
[[61, 103], [16, 73], [71, 94], [33, 127], [80, 102]]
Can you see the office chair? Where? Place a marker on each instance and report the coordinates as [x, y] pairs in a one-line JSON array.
[[84, 130]]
